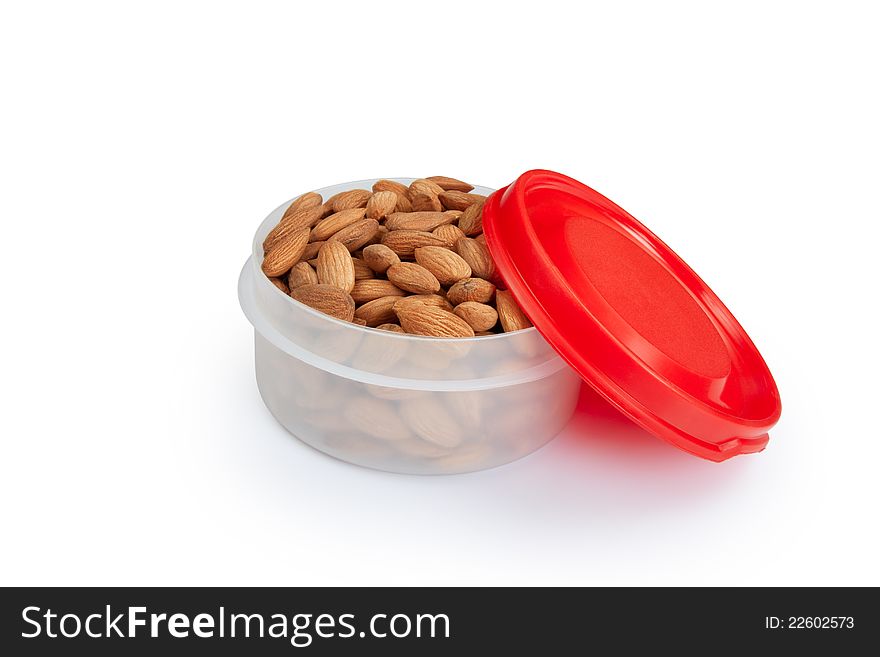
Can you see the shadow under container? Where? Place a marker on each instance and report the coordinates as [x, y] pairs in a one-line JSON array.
[[398, 402]]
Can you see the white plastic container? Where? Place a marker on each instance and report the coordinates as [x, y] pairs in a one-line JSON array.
[[399, 402]]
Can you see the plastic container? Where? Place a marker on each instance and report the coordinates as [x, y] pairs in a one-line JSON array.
[[395, 402]]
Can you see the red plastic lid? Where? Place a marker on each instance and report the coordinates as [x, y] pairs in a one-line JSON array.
[[630, 316]]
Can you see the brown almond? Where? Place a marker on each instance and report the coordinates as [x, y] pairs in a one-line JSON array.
[[359, 321], [426, 203], [453, 200], [334, 223], [405, 242], [422, 186], [362, 271], [368, 290], [381, 204], [354, 198], [376, 418], [386, 185], [292, 223], [479, 316], [379, 257], [447, 266], [471, 289], [413, 278], [510, 315], [381, 231], [449, 234], [285, 253], [307, 200], [394, 328], [357, 234], [335, 266], [471, 221], [422, 319], [301, 274], [424, 221], [281, 285], [481, 238], [476, 254], [327, 299], [434, 300], [448, 183], [311, 251], [403, 204], [378, 311]]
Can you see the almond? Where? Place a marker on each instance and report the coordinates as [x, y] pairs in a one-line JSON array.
[[327, 299], [285, 253], [422, 186], [368, 290], [424, 221], [307, 200], [394, 328], [311, 251], [391, 186], [357, 234], [413, 278], [335, 266], [292, 223], [405, 242], [422, 319], [431, 421], [301, 274], [471, 221], [403, 204], [471, 289], [281, 285], [381, 231], [334, 223], [379, 257], [434, 300], [476, 254], [448, 183], [479, 316], [381, 204], [453, 200], [378, 311], [426, 203], [376, 418], [361, 270], [447, 266], [354, 198], [509, 313], [449, 234]]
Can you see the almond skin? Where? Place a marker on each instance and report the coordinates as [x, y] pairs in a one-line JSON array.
[[335, 266], [471, 289], [434, 300], [450, 184], [301, 274], [476, 254], [361, 270], [357, 234], [447, 266], [413, 278], [281, 285], [453, 200], [327, 299], [471, 221], [292, 223], [403, 204], [394, 328], [285, 253], [391, 186], [311, 251], [510, 315], [422, 319], [405, 242], [368, 290], [355, 198], [449, 234], [380, 204], [378, 311], [426, 203], [379, 258], [307, 200], [423, 186], [424, 221], [479, 316], [334, 223]]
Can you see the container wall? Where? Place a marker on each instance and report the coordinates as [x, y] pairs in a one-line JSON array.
[[412, 431]]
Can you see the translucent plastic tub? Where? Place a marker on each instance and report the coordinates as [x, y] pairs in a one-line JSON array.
[[398, 402]]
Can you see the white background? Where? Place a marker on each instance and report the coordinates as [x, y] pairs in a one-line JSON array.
[[140, 147]]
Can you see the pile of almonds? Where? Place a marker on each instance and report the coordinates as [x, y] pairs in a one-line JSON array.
[[406, 259]]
